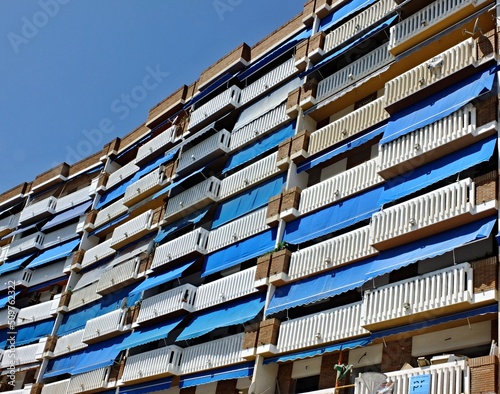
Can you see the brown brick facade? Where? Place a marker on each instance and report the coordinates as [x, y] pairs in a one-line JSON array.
[[167, 107], [284, 378], [484, 374], [62, 170], [268, 332], [21, 189], [280, 261], [395, 354], [485, 274], [263, 267], [486, 187], [291, 199]]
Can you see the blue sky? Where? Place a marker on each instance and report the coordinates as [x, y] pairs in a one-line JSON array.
[[71, 67]]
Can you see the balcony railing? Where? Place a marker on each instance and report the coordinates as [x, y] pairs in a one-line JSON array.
[[237, 230], [268, 81], [69, 343], [177, 299], [121, 174], [452, 377], [346, 248], [7, 314], [192, 242], [23, 355], [97, 253], [415, 298], [56, 388], [155, 363], [226, 289], [448, 203], [203, 152], [3, 252], [340, 186], [118, 276], [73, 199], [88, 381], [250, 175], [193, 198], [354, 72], [431, 71], [19, 277], [38, 210], [349, 125], [425, 23], [104, 326], [259, 127], [324, 327], [132, 230], [225, 101], [156, 145], [110, 212], [83, 296], [145, 187], [359, 23], [42, 311], [60, 235], [26, 244], [213, 354], [8, 224]]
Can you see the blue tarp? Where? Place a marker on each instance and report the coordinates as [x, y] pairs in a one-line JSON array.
[[334, 218], [439, 105], [343, 12], [248, 201], [259, 147], [240, 252], [148, 387], [421, 177], [230, 314], [216, 375], [192, 218], [55, 253], [9, 266], [33, 332], [67, 215]]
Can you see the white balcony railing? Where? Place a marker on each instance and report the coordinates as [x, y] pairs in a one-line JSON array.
[[104, 325], [268, 81], [73, 199], [228, 99], [237, 230], [39, 209], [145, 186], [422, 24], [258, 127], [359, 23], [320, 328], [60, 387], [9, 224], [83, 296], [23, 355], [250, 175], [228, 288], [7, 314], [431, 71], [407, 299], [3, 252], [121, 174], [361, 119], [354, 72], [450, 377], [194, 241], [340, 186], [70, 343], [446, 203], [132, 229], [195, 197], [204, 151], [179, 298], [26, 244], [97, 253], [213, 354], [155, 363], [158, 144], [118, 276], [110, 212], [88, 381], [20, 278], [42, 311], [60, 235], [346, 248]]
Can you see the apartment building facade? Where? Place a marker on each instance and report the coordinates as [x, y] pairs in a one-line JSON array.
[[316, 213]]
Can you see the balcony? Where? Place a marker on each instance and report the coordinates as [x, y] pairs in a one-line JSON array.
[[249, 176], [83, 296], [118, 276], [226, 289], [156, 363], [349, 125], [20, 278], [429, 21], [23, 355], [158, 306], [8, 224], [187, 244], [204, 152], [224, 102], [88, 381], [121, 174], [340, 186], [30, 243], [38, 312], [354, 72], [7, 314], [105, 326], [268, 81], [434, 294], [109, 213], [98, 252], [193, 198], [69, 343], [58, 236], [432, 213], [56, 388], [145, 187], [321, 328], [38, 210], [132, 230], [72, 199], [156, 146], [213, 354]]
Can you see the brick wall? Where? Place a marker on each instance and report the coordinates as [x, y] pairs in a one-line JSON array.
[[263, 267], [168, 106], [486, 110], [21, 189], [133, 136], [484, 374], [291, 199], [268, 332], [284, 378], [60, 170], [486, 187], [395, 354], [85, 164], [485, 274], [227, 386]]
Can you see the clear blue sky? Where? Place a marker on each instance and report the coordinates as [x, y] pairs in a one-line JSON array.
[[66, 65]]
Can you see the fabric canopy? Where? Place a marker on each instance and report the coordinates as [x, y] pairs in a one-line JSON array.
[[9, 266], [192, 218], [58, 252], [230, 314], [180, 181], [148, 387], [67, 215], [343, 12], [239, 252], [233, 372], [439, 105], [33, 332], [209, 89], [7, 297]]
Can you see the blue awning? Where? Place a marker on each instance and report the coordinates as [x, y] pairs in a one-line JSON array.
[[7, 297], [344, 12], [144, 335], [9, 266], [239, 252], [67, 215], [113, 194], [209, 89], [334, 218], [192, 218], [336, 150], [248, 201], [319, 351], [55, 253], [216, 375], [179, 181], [439, 105], [259, 147], [421, 177], [21, 229], [33, 332], [109, 224], [229, 314], [148, 387]]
